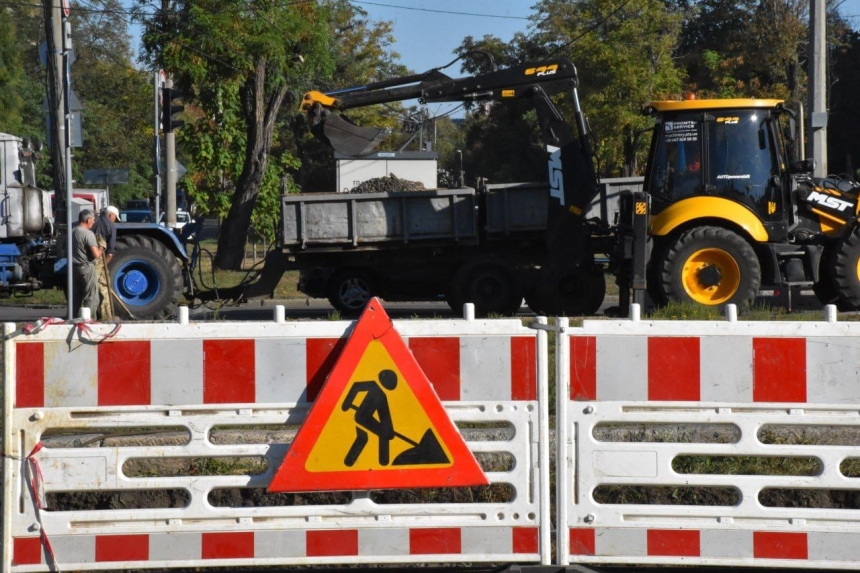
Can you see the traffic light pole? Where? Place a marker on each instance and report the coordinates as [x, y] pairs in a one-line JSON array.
[[157, 149], [170, 167]]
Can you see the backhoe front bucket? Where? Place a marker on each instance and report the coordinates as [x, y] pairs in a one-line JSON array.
[[349, 139]]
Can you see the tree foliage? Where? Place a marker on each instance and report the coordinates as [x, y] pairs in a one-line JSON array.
[[625, 57], [11, 76], [240, 60], [118, 128]]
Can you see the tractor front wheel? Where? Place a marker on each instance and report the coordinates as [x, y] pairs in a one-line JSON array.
[[146, 278], [710, 266]]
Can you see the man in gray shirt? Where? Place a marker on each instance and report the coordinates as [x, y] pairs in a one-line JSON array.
[[85, 251]]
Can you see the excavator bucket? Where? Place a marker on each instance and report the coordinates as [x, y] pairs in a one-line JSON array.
[[349, 139]]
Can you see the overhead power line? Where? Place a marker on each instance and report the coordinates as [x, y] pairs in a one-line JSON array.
[[449, 12]]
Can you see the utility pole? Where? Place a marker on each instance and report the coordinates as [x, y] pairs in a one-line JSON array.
[[59, 47], [54, 11], [817, 143]]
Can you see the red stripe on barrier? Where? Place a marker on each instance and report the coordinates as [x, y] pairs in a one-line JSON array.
[[673, 368], [581, 541], [26, 551], [29, 375], [779, 370], [321, 355], [525, 540], [332, 543], [674, 542], [124, 373], [122, 548], [523, 368], [776, 545], [228, 545], [439, 358], [434, 541], [228, 372], [583, 368]]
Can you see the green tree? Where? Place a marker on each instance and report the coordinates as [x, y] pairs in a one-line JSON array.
[[11, 76], [254, 53], [117, 99], [624, 54]]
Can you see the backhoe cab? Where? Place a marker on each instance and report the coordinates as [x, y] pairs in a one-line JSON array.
[[733, 211]]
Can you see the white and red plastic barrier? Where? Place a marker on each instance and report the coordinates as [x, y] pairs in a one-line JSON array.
[[199, 377], [738, 381]]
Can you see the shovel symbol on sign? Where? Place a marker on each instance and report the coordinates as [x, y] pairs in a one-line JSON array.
[[373, 415]]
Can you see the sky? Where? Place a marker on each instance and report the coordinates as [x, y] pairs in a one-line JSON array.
[[428, 31]]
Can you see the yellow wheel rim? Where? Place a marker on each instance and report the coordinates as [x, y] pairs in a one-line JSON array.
[[703, 263]]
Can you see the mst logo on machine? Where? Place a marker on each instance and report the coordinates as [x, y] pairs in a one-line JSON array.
[[831, 202]]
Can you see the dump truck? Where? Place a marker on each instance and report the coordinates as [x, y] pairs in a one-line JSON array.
[[728, 208], [493, 245], [148, 272]]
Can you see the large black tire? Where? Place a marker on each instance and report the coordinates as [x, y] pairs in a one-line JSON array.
[[569, 293], [846, 271], [490, 285], [350, 290], [710, 266], [146, 277], [653, 277], [826, 289]]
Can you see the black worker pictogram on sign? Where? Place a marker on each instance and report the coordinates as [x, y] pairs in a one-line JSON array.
[[377, 423]]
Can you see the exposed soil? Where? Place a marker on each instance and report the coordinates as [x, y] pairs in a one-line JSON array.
[[388, 184]]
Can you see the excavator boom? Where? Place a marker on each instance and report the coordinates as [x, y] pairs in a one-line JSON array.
[[573, 177]]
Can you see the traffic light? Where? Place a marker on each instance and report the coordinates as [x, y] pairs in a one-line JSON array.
[[169, 109]]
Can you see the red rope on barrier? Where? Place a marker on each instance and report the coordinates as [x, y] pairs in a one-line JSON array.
[[37, 489], [80, 324]]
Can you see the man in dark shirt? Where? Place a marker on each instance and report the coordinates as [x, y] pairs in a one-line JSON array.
[[105, 231]]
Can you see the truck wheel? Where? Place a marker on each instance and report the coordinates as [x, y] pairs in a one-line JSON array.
[[350, 290], [710, 266], [573, 293], [491, 287], [846, 271], [146, 277]]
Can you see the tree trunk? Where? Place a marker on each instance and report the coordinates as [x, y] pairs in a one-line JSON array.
[[630, 140], [260, 114]]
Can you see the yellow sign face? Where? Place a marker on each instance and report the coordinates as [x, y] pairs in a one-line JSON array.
[[378, 424], [640, 207]]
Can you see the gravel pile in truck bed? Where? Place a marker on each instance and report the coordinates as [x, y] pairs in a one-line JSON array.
[[387, 185]]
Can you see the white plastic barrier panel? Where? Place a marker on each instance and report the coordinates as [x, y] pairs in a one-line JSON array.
[[114, 418], [710, 443]]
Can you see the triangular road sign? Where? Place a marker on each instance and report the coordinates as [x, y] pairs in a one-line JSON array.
[[377, 423]]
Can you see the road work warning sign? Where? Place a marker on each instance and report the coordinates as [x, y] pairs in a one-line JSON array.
[[377, 423]]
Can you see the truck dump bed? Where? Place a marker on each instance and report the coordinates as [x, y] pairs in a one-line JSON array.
[[335, 221], [371, 219]]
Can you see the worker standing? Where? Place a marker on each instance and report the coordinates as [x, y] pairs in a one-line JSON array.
[[85, 251], [105, 231]]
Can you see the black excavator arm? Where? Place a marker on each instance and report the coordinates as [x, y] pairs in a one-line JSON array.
[[569, 281], [572, 176]]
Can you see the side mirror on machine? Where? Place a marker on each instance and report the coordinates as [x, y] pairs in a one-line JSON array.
[[802, 166]]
